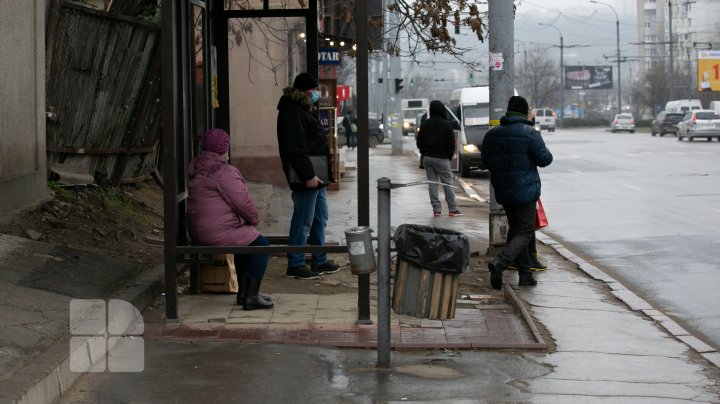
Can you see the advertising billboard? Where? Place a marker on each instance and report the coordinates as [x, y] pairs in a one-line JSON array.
[[588, 77], [708, 63]]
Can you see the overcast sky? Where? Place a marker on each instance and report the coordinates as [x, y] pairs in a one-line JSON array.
[[589, 30]]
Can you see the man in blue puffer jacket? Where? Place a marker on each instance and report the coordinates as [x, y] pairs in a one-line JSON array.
[[512, 152]]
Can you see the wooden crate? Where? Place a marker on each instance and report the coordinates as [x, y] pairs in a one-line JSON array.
[[424, 294]]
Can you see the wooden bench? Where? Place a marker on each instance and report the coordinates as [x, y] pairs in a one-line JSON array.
[[193, 256]]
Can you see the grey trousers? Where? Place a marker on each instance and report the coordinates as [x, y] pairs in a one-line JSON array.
[[439, 169]]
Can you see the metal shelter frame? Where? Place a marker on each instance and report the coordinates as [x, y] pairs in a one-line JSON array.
[[177, 49]]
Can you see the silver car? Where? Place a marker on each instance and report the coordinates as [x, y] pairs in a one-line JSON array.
[[623, 122], [699, 123]]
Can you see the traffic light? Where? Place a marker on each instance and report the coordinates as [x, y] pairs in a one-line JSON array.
[[398, 87]]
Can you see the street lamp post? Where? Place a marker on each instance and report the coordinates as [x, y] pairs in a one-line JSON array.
[[617, 33], [562, 74]]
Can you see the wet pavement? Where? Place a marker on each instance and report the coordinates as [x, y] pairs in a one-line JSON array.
[[604, 344]]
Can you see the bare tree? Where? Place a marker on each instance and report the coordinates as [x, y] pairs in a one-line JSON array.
[[538, 76], [651, 90]]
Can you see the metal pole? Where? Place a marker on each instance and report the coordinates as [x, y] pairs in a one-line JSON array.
[[562, 81], [383, 337], [501, 80], [394, 72], [363, 191], [617, 31], [562, 72], [670, 41]]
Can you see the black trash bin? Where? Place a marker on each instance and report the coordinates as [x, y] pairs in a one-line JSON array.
[[429, 263]]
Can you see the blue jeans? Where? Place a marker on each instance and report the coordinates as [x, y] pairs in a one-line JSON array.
[[253, 265], [310, 216]]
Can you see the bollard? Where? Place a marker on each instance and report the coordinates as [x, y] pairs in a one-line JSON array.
[[362, 256]]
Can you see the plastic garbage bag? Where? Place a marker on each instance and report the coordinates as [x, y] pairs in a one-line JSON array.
[[432, 248]]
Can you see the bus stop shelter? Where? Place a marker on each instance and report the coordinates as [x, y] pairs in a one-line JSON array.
[[212, 54]]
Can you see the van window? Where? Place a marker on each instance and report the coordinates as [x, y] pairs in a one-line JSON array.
[[540, 112], [472, 114]]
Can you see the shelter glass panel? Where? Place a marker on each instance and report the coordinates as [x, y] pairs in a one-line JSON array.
[[199, 88], [264, 56]]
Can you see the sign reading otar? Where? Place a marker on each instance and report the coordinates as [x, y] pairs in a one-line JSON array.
[[588, 78], [708, 63], [328, 56]]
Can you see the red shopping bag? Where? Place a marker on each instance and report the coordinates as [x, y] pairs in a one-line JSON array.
[[540, 217]]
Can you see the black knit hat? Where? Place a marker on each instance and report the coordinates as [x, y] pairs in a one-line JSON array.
[[304, 82], [518, 104]]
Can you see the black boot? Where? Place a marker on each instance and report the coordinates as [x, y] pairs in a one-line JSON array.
[[253, 300], [242, 281]]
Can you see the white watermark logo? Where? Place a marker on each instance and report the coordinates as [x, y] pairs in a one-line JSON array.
[[106, 336]]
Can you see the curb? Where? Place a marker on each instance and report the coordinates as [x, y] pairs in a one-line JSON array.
[[633, 301], [60, 378]]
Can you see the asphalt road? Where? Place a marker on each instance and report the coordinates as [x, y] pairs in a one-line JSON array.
[[645, 209]]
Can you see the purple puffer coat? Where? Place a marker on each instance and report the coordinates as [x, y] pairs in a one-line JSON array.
[[220, 210]]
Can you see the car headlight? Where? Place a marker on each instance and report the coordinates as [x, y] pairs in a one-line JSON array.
[[406, 125], [470, 148]]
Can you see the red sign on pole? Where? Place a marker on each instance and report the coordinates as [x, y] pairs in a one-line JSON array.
[[343, 93]]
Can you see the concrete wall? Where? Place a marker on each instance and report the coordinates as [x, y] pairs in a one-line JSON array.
[[22, 104]]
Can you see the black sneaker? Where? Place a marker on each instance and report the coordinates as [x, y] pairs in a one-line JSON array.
[[301, 273], [495, 275], [537, 265], [328, 267]]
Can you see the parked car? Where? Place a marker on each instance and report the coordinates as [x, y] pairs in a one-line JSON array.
[[666, 122], [700, 123], [623, 121], [374, 129], [545, 118]]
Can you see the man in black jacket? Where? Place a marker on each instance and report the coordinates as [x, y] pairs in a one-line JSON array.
[[299, 137], [512, 152], [436, 143]]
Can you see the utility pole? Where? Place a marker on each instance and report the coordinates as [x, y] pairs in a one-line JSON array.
[[501, 80], [393, 103], [562, 72], [617, 36], [672, 73]]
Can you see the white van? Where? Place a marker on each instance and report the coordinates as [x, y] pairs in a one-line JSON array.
[[411, 109], [715, 106], [545, 117], [682, 106], [471, 109]]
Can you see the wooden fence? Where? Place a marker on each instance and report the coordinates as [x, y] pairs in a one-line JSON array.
[[103, 85]]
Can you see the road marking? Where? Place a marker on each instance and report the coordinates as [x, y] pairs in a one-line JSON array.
[[633, 187]]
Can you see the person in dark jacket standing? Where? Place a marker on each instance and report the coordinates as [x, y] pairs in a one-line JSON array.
[[350, 124], [436, 143], [512, 152], [300, 136]]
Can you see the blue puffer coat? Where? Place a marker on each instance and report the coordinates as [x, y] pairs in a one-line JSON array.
[[512, 152]]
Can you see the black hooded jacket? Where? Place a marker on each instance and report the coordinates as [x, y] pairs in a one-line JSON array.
[[436, 137], [299, 135]]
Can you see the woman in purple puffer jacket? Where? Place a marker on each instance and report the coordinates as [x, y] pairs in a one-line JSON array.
[[221, 211]]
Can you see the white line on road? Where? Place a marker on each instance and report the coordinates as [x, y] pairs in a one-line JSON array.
[[633, 187]]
